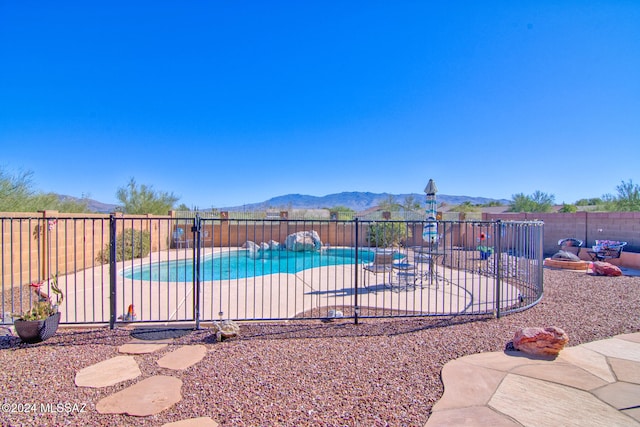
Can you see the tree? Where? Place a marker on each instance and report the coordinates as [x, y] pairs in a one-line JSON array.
[[537, 202], [492, 204], [568, 208], [144, 199], [589, 202], [18, 195], [411, 204], [344, 213], [389, 204], [464, 207], [628, 198], [16, 192]]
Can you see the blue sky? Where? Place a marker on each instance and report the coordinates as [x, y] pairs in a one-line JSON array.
[[232, 102]]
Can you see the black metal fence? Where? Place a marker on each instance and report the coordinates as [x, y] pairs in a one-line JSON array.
[[140, 269]]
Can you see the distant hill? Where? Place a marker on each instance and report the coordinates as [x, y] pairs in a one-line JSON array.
[[93, 205], [358, 201]]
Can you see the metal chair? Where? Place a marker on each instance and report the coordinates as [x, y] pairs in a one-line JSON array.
[[179, 239], [570, 245], [606, 249]]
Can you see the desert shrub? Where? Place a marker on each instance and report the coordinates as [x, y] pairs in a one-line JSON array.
[[386, 234], [568, 208], [129, 244]]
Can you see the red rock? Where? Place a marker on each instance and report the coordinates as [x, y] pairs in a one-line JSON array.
[[540, 341], [601, 268]]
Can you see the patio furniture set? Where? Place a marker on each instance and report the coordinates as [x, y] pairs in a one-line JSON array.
[[603, 249], [406, 275]]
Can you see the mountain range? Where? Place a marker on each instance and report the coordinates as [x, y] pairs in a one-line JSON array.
[[356, 200]]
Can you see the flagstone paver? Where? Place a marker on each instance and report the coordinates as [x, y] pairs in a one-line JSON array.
[[535, 402], [594, 384], [470, 417], [626, 370], [635, 337], [616, 347], [588, 360], [193, 422], [633, 412], [183, 357], [563, 373], [108, 372], [147, 397], [473, 385], [620, 395], [138, 346], [505, 361]]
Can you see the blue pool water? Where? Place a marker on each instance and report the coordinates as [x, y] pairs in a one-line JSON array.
[[238, 265]]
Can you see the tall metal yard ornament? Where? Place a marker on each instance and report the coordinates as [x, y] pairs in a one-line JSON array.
[[430, 230]]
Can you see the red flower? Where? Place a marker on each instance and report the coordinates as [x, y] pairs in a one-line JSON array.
[[36, 285], [482, 236]]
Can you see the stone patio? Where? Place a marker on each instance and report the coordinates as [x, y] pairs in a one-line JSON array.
[[594, 384]]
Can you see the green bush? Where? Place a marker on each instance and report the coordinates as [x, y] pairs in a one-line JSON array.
[[386, 234], [129, 244], [568, 208]]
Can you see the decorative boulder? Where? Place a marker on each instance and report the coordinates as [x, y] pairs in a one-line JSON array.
[[335, 314], [565, 255], [605, 269], [303, 241], [253, 250], [252, 246], [225, 329], [540, 341], [273, 245]]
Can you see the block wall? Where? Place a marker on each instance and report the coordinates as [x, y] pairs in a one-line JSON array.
[[586, 226]]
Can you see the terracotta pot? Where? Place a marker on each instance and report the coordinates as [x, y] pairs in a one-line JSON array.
[[33, 331]]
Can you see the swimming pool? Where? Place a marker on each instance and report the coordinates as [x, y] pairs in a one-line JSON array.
[[237, 264]]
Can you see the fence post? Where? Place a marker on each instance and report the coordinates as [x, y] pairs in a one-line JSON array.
[[540, 258], [196, 271], [356, 309], [112, 271], [498, 264]]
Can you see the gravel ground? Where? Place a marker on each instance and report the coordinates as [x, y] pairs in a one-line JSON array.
[[382, 372]]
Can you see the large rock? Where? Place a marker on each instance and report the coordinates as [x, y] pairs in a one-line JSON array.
[[565, 255], [601, 268], [273, 245], [540, 341], [303, 241], [253, 249], [252, 246], [225, 329]]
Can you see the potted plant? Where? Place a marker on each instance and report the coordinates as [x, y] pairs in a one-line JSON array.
[[485, 251], [41, 321]]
